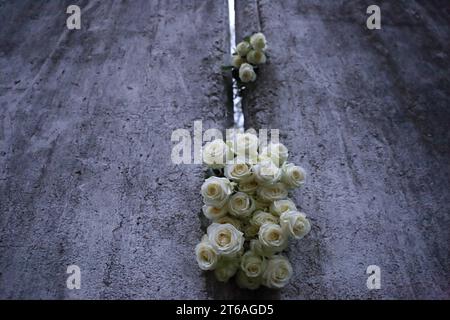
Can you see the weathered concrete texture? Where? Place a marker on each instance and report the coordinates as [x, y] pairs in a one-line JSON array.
[[367, 114], [86, 119]]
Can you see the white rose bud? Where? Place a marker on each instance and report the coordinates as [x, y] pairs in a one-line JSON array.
[[225, 239], [238, 171], [237, 61], [248, 186], [228, 219], [226, 268], [245, 146], [216, 153], [258, 41], [278, 272], [256, 57], [206, 255], [293, 176], [246, 73], [214, 213], [241, 205], [257, 248], [266, 172], [274, 192], [253, 264], [277, 152], [295, 224], [216, 191], [243, 48], [245, 282], [279, 206], [261, 217], [272, 238]]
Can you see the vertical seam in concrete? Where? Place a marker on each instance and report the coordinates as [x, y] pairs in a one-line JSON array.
[[258, 16], [238, 114]]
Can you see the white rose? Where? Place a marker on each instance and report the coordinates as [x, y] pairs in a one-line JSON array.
[[206, 255], [248, 186], [245, 146], [237, 60], [226, 268], [215, 191], [295, 224], [272, 238], [243, 48], [228, 219], [258, 41], [216, 153], [293, 176], [225, 239], [278, 272], [279, 206], [274, 192], [260, 217], [266, 172], [245, 282], [238, 171], [241, 205], [277, 152], [256, 57], [253, 264], [246, 73], [214, 213]]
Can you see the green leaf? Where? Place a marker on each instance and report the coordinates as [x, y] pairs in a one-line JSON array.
[[247, 39]]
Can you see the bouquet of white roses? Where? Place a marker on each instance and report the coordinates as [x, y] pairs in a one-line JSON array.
[[250, 53], [251, 216]]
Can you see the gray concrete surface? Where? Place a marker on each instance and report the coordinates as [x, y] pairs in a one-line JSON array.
[[367, 113], [85, 124]]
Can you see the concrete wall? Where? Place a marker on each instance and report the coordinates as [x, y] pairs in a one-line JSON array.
[[85, 125], [86, 119], [366, 112]]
